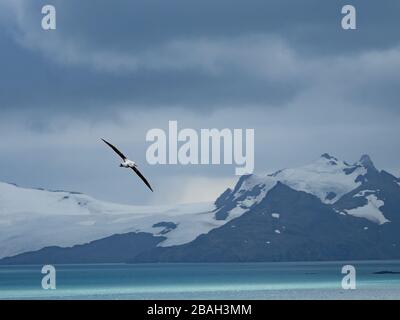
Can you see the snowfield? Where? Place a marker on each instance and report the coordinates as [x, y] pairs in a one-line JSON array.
[[327, 178], [31, 219], [370, 211]]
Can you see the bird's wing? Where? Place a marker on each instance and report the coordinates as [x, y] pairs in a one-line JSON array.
[[115, 149], [142, 177]]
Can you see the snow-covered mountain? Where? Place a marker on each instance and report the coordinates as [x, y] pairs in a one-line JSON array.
[[31, 219], [327, 178], [326, 210]]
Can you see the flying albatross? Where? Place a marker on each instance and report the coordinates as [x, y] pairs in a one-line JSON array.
[[128, 164]]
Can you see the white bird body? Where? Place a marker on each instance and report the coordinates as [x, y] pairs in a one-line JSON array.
[[128, 164]]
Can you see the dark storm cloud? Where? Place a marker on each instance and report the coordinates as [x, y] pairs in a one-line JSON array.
[[143, 24], [116, 69], [196, 54]]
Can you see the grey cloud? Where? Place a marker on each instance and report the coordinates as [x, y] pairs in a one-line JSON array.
[[117, 69], [200, 55]]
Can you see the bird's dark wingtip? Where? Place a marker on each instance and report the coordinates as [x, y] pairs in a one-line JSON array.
[[105, 141]]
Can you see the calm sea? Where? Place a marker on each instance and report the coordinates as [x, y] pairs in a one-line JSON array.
[[317, 280]]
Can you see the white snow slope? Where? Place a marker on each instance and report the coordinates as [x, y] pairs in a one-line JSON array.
[[31, 219], [324, 176], [370, 211]]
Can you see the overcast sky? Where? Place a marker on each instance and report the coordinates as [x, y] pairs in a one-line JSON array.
[[116, 69]]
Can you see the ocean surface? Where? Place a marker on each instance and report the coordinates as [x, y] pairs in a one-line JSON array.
[[311, 280]]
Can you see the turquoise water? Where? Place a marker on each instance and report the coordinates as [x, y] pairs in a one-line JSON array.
[[319, 280]]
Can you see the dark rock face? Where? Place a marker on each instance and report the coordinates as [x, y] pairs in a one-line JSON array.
[[330, 196], [114, 249], [167, 226], [305, 230], [225, 202]]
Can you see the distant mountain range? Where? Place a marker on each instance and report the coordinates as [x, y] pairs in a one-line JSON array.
[[327, 210]]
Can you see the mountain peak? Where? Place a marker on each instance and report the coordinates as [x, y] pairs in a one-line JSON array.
[[328, 156], [366, 161]]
